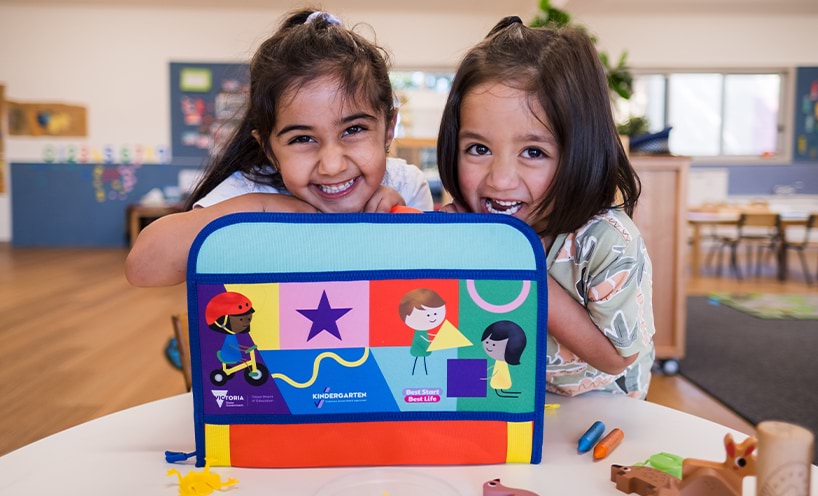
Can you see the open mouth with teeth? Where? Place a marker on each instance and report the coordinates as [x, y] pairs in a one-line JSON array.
[[505, 207], [335, 190]]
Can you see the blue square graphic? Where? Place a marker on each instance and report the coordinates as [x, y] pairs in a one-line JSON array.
[[466, 378]]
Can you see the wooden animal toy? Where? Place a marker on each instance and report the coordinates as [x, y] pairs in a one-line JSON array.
[[202, 483], [711, 478], [666, 462], [644, 481], [495, 488], [699, 477]]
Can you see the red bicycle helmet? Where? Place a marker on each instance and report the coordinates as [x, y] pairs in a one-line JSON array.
[[228, 303]]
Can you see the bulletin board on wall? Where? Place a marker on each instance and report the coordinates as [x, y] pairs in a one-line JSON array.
[[806, 114], [79, 205], [207, 103]]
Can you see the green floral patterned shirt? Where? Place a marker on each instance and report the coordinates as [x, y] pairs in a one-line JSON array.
[[604, 265]]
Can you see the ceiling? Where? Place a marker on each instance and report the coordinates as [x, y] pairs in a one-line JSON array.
[[495, 7]]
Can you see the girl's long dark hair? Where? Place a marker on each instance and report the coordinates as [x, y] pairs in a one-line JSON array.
[[561, 69], [297, 54], [505, 329]]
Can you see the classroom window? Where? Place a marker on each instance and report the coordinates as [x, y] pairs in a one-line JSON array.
[[422, 96], [713, 114]]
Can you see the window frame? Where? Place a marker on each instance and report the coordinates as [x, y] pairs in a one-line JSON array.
[[784, 135]]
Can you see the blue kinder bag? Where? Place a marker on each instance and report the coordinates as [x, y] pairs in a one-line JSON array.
[[367, 339]]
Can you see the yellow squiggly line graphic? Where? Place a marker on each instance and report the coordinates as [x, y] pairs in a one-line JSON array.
[[317, 364]]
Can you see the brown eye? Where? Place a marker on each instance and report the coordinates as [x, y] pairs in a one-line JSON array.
[[478, 149]]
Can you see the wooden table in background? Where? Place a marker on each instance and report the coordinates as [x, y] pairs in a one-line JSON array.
[[137, 214], [698, 219]]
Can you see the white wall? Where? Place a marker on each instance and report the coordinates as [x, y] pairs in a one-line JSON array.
[[709, 41], [114, 60]]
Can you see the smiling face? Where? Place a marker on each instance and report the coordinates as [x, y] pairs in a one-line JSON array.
[[240, 323], [425, 318], [507, 157], [330, 150], [496, 349]]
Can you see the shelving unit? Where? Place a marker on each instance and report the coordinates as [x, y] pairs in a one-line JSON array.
[[661, 216], [422, 152]]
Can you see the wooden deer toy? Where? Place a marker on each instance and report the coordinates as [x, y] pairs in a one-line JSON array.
[[644, 481], [699, 477], [710, 478]]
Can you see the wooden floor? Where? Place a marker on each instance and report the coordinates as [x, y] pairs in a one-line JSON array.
[[79, 342]]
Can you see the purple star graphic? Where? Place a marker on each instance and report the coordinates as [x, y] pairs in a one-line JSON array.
[[324, 318]]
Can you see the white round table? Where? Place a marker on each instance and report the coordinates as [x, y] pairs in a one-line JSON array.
[[123, 454]]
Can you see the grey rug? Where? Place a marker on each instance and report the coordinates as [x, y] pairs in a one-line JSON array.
[[761, 369]]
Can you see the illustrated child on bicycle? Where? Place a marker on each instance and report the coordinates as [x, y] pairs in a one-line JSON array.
[[230, 313]]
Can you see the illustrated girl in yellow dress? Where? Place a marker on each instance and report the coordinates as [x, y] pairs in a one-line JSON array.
[[504, 341]]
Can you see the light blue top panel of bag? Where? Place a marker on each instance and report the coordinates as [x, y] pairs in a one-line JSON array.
[[281, 243]]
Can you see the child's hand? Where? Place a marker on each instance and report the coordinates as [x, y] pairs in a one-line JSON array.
[[383, 200], [454, 208]]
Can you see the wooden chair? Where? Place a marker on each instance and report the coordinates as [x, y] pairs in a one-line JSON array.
[[759, 231], [713, 236], [801, 246], [180, 331]]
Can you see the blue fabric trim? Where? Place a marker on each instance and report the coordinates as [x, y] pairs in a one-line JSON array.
[[542, 359], [375, 275], [196, 376]]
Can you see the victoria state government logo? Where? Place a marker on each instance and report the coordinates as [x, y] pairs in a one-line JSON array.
[[223, 397]]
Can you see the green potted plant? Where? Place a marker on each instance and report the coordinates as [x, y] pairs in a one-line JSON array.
[[634, 126], [620, 79]]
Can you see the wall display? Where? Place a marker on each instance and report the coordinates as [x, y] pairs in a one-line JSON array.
[[79, 205], [47, 119], [806, 114], [113, 183], [207, 101], [109, 154]]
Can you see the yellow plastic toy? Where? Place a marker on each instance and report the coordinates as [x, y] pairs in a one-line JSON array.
[[202, 483]]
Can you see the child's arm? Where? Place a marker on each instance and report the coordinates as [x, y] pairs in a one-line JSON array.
[[570, 324], [159, 256]]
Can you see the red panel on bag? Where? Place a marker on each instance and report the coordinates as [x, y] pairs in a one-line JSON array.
[[368, 443]]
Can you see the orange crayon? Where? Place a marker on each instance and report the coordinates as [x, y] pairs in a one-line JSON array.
[[403, 209], [608, 443]]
